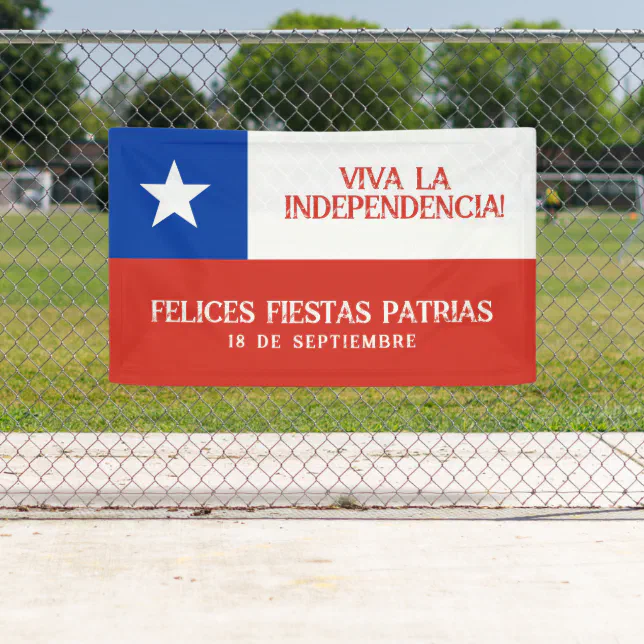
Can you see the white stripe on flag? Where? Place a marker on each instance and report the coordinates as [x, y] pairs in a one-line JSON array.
[[476, 162]]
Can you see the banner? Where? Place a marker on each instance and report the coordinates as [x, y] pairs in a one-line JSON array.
[[322, 259]]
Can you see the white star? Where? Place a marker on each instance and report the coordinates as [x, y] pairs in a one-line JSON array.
[[174, 196]]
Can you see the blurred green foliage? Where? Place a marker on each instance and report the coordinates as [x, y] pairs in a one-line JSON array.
[[327, 87]]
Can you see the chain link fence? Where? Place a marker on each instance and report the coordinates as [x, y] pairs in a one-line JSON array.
[[68, 437]]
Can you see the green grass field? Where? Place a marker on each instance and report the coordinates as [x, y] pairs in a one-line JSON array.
[[53, 347]]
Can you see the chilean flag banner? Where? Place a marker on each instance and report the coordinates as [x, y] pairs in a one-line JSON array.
[[322, 259]]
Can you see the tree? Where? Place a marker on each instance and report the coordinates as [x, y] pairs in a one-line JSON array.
[[117, 99], [38, 84], [470, 86], [168, 102], [633, 117], [92, 120], [21, 14], [326, 87], [564, 91]]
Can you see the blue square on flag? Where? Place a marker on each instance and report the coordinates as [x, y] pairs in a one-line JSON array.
[[178, 177]]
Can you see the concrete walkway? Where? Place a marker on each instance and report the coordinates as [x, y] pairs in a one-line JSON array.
[[106, 581], [426, 469]]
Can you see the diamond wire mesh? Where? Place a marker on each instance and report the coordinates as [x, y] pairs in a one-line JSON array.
[[69, 437]]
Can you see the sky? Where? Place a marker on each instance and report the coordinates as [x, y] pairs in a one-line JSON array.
[[258, 14], [101, 65]]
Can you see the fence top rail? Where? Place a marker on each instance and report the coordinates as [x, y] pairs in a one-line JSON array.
[[323, 36]]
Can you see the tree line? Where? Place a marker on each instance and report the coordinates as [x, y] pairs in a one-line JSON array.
[[567, 92]]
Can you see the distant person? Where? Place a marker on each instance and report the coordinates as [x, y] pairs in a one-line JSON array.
[[553, 205]]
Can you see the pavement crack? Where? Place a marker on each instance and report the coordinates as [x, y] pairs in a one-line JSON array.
[[636, 458]]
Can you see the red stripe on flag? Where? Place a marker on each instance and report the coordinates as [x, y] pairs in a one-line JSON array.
[[168, 352]]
